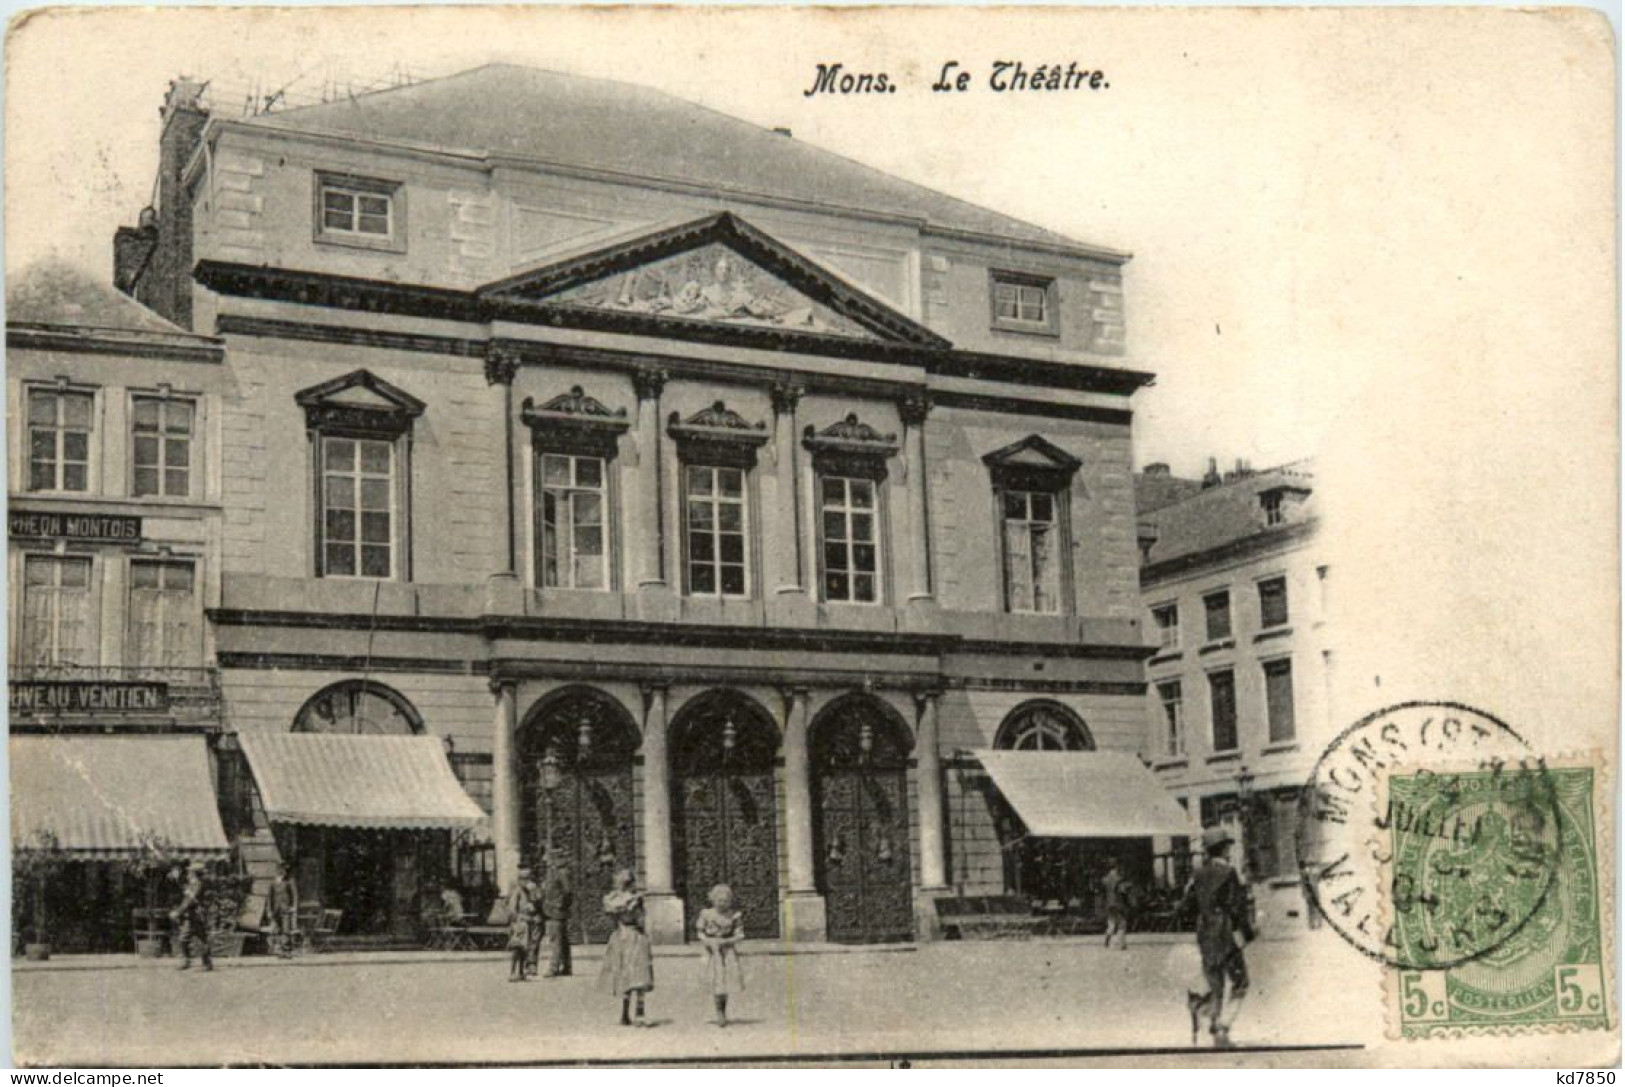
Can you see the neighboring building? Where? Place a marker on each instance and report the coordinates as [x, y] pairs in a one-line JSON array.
[[711, 497], [1234, 589], [114, 519]]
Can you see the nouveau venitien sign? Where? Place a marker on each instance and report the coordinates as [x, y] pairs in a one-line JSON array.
[[88, 696]]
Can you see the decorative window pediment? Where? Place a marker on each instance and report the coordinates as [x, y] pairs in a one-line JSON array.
[[359, 401], [1033, 464], [718, 433], [574, 420], [718, 272], [850, 447]]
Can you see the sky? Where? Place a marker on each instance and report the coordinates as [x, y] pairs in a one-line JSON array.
[[1288, 183]]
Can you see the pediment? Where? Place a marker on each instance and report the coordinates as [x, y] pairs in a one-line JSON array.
[[359, 400], [718, 273], [1033, 461]]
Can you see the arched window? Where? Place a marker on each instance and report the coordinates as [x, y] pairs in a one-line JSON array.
[[359, 707], [1043, 726]]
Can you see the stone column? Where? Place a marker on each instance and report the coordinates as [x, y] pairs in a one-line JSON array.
[[913, 409], [643, 523], [663, 910], [504, 593], [784, 544], [928, 791], [505, 784], [803, 905]]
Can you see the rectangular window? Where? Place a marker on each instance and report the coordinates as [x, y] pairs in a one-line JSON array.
[[848, 520], [1278, 699], [1023, 303], [164, 616], [1217, 606], [56, 611], [59, 429], [161, 447], [364, 210], [1166, 619], [1272, 610], [1173, 717], [1222, 699], [1032, 555], [575, 523], [358, 507], [715, 501]]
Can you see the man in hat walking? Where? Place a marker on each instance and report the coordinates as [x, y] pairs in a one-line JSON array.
[[1220, 902], [192, 916], [557, 898]]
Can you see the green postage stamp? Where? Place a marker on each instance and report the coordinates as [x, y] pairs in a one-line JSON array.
[[1502, 860]]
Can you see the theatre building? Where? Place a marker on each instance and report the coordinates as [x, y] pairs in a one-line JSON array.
[[112, 554], [714, 504], [1239, 706]]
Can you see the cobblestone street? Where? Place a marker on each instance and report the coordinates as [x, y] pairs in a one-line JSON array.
[[949, 998]]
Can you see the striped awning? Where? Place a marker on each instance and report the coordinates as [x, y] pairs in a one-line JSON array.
[[111, 797], [1085, 794], [379, 782]]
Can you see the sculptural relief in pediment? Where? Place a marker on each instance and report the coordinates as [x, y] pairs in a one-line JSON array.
[[711, 283]]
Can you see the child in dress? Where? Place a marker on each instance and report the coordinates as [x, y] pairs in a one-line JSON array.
[[720, 928], [629, 968]]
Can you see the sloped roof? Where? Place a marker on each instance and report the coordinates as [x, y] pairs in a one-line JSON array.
[[54, 292], [1152, 491], [604, 125], [1226, 513]]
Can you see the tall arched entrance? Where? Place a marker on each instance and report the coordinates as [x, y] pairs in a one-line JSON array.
[[725, 822], [575, 796], [860, 825]]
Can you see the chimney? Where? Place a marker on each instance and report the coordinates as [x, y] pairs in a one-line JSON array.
[[1158, 470], [153, 261], [1211, 477]]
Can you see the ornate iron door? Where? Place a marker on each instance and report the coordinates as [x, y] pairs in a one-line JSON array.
[[862, 838], [727, 825], [591, 813]]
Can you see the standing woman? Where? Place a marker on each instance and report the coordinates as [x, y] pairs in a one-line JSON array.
[[629, 968], [720, 928]]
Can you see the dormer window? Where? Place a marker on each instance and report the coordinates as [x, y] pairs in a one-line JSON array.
[[1023, 303], [1032, 483], [360, 211], [360, 430], [1278, 503]]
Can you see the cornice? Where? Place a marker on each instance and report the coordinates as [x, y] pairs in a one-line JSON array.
[[377, 296], [111, 342], [677, 635]]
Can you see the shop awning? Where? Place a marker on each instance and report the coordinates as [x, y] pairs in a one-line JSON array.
[[110, 797], [1085, 794], [393, 782]]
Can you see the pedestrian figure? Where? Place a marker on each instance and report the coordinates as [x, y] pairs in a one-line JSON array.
[[629, 968], [283, 905], [1114, 889], [524, 926], [720, 928], [192, 916], [1216, 894], [557, 901]]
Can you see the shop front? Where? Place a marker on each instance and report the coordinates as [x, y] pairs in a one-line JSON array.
[[100, 825], [365, 824], [1064, 817]]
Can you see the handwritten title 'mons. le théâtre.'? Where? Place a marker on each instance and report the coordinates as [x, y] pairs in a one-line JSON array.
[[1002, 76]]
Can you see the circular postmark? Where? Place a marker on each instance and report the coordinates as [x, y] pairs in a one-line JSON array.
[[1427, 835]]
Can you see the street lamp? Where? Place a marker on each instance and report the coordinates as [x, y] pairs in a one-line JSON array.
[[552, 778]]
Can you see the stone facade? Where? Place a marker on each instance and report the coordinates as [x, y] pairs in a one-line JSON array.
[[610, 685]]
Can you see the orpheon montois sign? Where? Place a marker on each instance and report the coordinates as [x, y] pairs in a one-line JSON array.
[[92, 527], [87, 696]]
